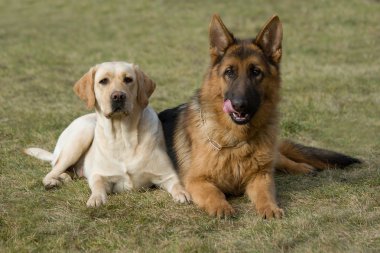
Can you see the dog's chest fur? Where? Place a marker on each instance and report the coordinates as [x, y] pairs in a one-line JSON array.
[[118, 155], [230, 168]]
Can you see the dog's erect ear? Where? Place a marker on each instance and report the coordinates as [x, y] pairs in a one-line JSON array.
[[84, 88], [220, 37], [146, 86], [269, 39]]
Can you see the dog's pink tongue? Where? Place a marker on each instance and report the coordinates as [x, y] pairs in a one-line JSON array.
[[227, 107]]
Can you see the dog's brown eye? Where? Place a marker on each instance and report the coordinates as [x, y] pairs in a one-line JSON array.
[[127, 79], [104, 81], [255, 71], [230, 73]]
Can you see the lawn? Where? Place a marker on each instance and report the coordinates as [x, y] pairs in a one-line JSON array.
[[331, 99]]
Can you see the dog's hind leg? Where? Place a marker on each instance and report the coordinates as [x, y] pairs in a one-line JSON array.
[[286, 165], [318, 158], [73, 143], [69, 156]]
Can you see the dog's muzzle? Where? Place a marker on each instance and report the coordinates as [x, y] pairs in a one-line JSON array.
[[237, 109], [118, 99]]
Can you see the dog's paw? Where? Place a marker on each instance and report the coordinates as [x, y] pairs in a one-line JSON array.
[[222, 209], [96, 200], [306, 168], [180, 195], [270, 211], [65, 178], [51, 182]]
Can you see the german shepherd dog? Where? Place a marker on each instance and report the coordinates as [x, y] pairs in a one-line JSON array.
[[225, 140]]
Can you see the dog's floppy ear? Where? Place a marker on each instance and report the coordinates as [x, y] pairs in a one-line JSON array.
[[146, 86], [269, 39], [84, 88], [220, 37]]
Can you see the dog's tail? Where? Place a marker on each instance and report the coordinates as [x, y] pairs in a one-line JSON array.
[[316, 157], [39, 153]]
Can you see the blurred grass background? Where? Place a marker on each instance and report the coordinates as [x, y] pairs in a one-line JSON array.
[[331, 99]]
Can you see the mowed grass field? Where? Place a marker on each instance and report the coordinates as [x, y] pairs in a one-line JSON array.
[[331, 99]]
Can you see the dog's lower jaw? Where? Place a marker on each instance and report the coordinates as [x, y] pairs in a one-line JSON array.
[[116, 114], [240, 120]]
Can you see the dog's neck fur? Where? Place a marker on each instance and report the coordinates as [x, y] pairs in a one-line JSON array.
[[121, 130]]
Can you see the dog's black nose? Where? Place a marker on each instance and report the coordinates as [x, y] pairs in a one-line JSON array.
[[239, 104], [118, 96]]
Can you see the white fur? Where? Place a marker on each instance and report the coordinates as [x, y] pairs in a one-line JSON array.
[[116, 154]]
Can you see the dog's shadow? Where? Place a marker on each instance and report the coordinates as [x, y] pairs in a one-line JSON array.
[[290, 188]]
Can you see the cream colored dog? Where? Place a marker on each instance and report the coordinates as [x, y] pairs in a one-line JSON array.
[[119, 147]]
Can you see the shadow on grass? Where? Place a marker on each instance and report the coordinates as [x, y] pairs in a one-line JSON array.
[[288, 186]]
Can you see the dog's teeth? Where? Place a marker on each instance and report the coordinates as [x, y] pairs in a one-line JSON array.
[[239, 116]]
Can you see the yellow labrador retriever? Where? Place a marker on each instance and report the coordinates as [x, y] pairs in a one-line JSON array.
[[119, 147]]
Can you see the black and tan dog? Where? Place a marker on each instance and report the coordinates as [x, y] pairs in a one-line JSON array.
[[225, 140]]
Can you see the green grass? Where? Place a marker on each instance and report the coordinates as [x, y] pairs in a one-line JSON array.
[[331, 91]]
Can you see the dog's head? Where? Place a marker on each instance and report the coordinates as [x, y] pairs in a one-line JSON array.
[[248, 70], [115, 88]]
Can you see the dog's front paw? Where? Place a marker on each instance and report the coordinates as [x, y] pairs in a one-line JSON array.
[[270, 211], [180, 195], [220, 209], [96, 200], [51, 182]]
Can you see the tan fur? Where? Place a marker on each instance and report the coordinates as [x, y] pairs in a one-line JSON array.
[[225, 139], [218, 149], [208, 173], [84, 88], [287, 165], [270, 38], [146, 87], [294, 161]]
